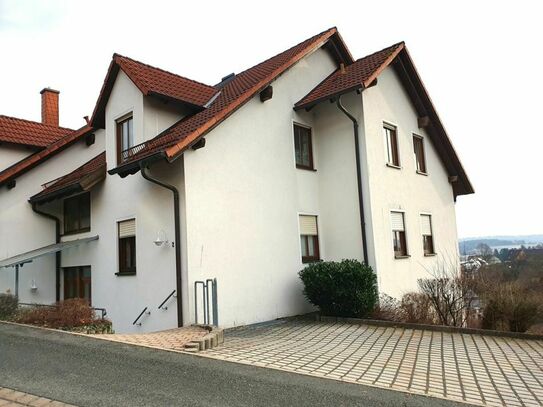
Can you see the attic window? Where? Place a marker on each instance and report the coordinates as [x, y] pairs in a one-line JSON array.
[[125, 137]]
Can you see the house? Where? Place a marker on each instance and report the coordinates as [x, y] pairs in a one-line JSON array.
[[310, 155]]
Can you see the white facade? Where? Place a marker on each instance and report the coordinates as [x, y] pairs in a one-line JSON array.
[[241, 196], [11, 154]]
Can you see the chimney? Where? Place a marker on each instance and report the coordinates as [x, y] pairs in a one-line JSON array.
[[49, 106]]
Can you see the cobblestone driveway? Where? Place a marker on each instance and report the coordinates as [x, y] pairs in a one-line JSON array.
[[483, 370]]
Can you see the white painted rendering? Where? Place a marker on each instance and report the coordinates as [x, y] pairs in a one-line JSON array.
[[241, 196], [11, 154], [405, 190]]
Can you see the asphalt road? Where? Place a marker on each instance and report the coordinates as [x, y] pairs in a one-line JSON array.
[[91, 372]]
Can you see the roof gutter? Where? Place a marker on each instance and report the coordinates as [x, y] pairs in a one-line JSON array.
[[58, 255], [177, 226], [358, 177]]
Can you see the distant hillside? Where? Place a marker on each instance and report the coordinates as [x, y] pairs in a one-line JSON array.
[[469, 245]]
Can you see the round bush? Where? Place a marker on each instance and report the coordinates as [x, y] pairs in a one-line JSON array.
[[344, 289]]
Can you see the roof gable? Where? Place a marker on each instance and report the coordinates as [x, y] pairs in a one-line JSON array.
[[35, 159], [234, 94], [151, 81], [363, 72], [29, 133]]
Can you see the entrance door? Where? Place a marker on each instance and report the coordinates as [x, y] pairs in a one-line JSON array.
[[77, 282]]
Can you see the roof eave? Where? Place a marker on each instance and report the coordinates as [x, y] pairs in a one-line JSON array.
[[133, 167], [332, 96]]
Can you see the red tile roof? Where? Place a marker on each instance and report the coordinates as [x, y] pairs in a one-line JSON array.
[[29, 133], [83, 177], [31, 161], [152, 81], [233, 95], [358, 75]]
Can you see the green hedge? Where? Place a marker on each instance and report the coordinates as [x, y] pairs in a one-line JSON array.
[[344, 289]]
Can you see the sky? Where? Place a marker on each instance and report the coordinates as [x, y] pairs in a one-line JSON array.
[[481, 62]]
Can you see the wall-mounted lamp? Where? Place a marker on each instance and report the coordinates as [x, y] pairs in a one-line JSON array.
[[161, 239], [33, 286]]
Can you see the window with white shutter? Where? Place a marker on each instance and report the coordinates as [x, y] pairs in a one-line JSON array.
[[127, 247], [398, 234], [309, 238], [427, 235]]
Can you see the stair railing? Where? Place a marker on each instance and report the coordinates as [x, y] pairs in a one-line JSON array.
[[165, 307], [209, 288], [144, 312]]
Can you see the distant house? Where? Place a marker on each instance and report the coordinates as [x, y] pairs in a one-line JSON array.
[[173, 182]]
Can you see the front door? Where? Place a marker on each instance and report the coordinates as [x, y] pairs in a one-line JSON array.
[[77, 282]]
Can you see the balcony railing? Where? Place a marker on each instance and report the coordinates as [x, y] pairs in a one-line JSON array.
[[132, 151]]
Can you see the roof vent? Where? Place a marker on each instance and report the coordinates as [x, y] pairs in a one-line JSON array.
[[226, 79]]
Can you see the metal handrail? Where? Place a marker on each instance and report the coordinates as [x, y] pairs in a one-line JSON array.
[[161, 306], [140, 315], [132, 151], [103, 311]]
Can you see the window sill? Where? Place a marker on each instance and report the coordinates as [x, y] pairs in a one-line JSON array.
[[430, 254], [302, 167], [422, 173], [125, 273], [402, 257], [397, 167], [309, 261], [76, 232]]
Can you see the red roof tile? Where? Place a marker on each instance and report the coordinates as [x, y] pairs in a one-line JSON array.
[[151, 81], [31, 161], [233, 95], [154, 80], [95, 169], [29, 133], [357, 75]]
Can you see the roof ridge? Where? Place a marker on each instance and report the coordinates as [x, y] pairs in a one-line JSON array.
[[35, 122], [334, 28], [381, 50], [162, 70]]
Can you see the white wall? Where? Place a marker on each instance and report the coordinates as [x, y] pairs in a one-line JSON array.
[[404, 189], [10, 154], [22, 230], [243, 197]]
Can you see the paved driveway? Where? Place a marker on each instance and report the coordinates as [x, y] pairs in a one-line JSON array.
[[476, 369]]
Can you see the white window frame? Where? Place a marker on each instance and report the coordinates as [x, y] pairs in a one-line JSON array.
[[313, 146], [407, 255]]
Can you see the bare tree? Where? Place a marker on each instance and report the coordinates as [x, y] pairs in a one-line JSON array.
[[450, 293]]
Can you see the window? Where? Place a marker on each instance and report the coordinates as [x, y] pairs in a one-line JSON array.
[[77, 214], [127, 247], [303, 147], [391, 138], [77, 282], [309, 238], [418, 147], [125, 137], [427, 237], [398, 234]]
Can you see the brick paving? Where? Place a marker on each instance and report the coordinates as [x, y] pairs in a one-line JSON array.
[[172, 339], [481, 370], [13, 398]]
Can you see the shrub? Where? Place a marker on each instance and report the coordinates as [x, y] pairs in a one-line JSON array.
[[344, 289], [388, 309], [8, 306], [72, 314], [417, 309], [508, 306]]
